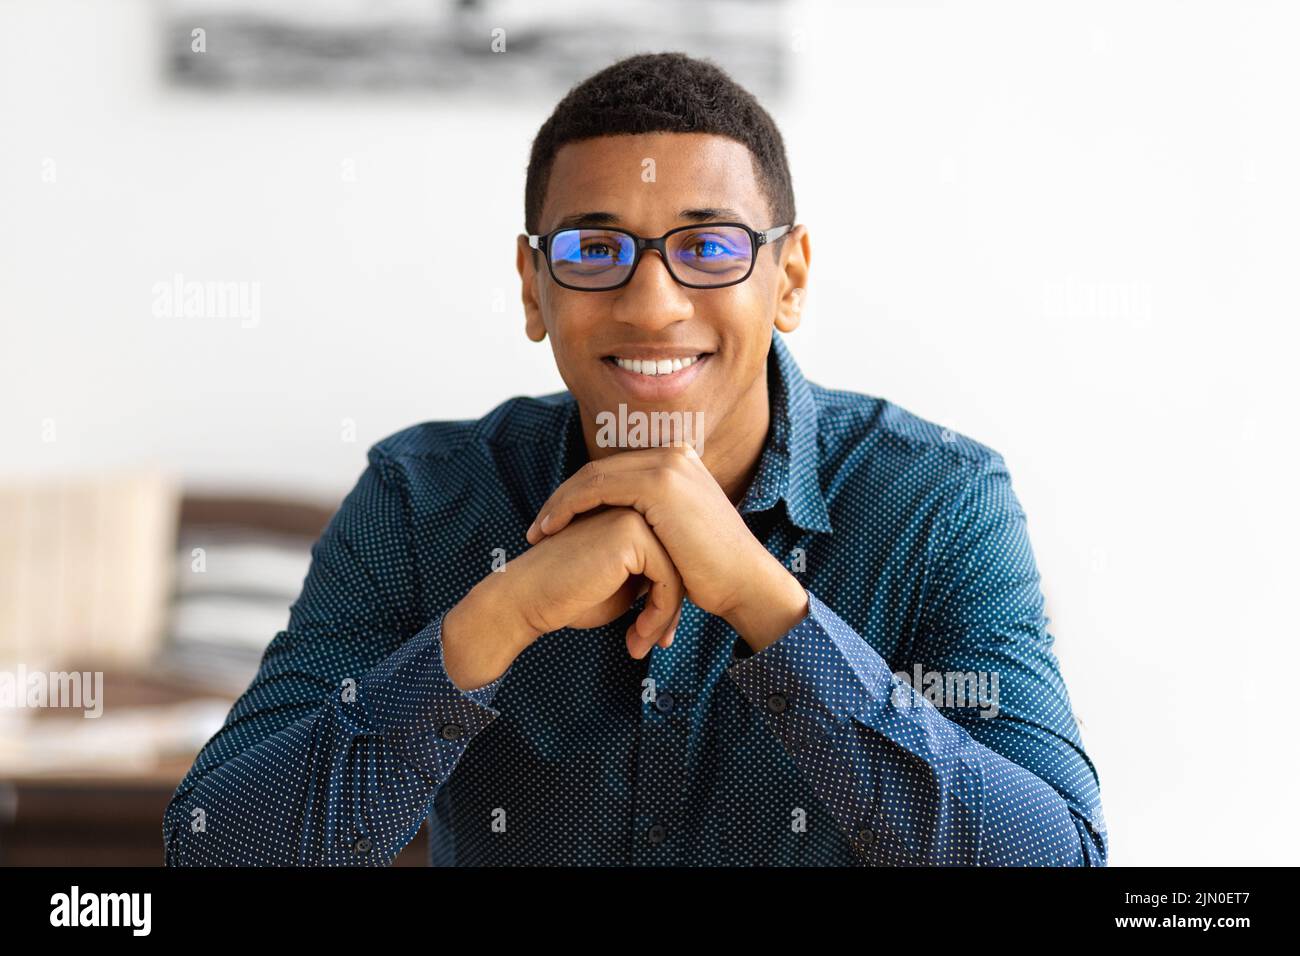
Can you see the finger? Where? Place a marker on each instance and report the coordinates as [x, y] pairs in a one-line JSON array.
[[638, 489], [637, 645], [599, 472], [664, 597], [615, 606], [672, 623], [656, 621], [663, 601], [667, 639], [634, 642]]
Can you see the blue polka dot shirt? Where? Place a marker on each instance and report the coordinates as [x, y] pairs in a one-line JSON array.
[[916, 716]]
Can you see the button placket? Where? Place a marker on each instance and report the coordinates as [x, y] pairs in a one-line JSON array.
[[661, 780]]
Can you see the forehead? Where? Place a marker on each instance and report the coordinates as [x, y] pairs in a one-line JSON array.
[[646, 178]]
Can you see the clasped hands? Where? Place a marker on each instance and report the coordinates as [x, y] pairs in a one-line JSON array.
[[652, 521], [678, 534]]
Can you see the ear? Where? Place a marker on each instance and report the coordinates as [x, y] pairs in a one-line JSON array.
[[529, 278], [796, 253]]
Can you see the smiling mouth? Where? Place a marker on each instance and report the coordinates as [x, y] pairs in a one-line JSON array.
[[656, 368]]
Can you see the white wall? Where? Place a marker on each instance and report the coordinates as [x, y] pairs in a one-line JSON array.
[[1067, 230]]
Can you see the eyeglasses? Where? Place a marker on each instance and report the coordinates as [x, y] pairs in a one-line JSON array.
[[709, 256]]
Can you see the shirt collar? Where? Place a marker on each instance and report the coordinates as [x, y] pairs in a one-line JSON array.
[[787, 467]]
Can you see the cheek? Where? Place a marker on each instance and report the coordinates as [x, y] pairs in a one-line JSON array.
[[745, 329], [570, 324], [744, 308]]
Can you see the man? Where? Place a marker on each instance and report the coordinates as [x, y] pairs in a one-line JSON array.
[[564, 643]]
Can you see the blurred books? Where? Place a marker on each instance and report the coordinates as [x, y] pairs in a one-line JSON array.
[[239, 564], [234, 586]]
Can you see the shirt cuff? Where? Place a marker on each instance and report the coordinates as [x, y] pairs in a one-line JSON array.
[[410, 692], [816, 676]]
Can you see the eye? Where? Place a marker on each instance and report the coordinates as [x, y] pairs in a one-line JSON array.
[[597, 249], [709, 247]]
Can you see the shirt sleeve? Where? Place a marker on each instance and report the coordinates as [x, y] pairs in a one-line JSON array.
[[999, 781], [334, 754]]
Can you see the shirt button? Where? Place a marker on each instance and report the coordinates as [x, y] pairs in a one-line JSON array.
[[777, 704], [362, 845], [451, 731], [664, 702], [866, 836], [657, 833]]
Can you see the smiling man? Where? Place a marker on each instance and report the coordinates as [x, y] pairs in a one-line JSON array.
[[767, 640]]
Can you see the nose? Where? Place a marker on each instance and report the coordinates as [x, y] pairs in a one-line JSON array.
[[652, 299]]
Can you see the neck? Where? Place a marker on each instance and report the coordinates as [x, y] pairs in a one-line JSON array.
[[736, 444]]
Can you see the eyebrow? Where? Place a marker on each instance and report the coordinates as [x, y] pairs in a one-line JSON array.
[[602, 218]]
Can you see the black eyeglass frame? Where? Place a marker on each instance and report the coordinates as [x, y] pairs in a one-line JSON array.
[[756, 241]]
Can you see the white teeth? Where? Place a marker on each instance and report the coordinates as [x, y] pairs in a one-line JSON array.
[[660, 367]]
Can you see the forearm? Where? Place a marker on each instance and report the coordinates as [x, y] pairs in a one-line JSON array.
[[926, 793], [906, 784], [306, 796], [346, 785]]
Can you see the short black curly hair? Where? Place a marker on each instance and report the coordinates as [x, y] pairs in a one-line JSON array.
[[662, 92]]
